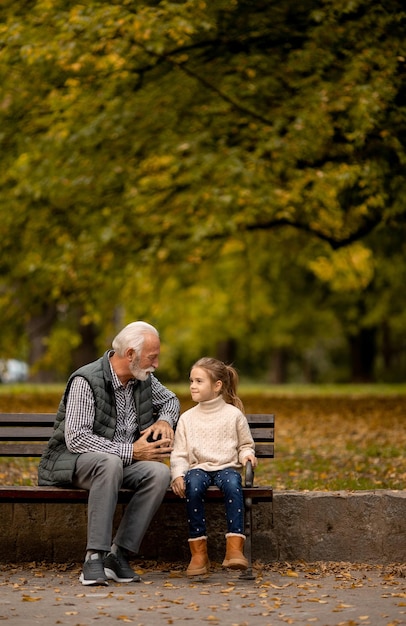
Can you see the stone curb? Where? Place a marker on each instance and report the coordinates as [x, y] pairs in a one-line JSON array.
[[357, 527]]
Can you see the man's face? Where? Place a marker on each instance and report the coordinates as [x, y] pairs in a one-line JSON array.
[[146, 363]]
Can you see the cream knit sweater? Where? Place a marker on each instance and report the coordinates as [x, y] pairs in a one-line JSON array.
[[212, 435]]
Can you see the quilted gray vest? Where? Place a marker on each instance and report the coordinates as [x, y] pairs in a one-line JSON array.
[[57, 464]]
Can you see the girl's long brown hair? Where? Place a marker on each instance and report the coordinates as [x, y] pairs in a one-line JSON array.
[[218, 370]]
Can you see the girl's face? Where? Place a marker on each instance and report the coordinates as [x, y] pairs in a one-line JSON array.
[[202, 387]]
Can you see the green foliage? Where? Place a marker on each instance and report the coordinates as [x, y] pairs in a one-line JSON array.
[[227, 170]]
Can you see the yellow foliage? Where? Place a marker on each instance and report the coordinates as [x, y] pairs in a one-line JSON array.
[[347, 269]]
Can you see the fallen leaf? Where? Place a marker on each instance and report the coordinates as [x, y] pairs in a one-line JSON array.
[[398, 595]]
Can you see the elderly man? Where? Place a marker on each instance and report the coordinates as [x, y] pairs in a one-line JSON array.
[[115, 425]]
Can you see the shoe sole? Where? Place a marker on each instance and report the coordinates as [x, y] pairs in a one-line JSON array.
[[97, 581], [235, 564], [111, 575], [198, 572]]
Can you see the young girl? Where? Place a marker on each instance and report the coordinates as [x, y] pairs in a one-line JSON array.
[[212, 444]]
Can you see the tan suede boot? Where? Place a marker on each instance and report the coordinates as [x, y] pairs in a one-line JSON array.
[[199, 563], [235, 558]]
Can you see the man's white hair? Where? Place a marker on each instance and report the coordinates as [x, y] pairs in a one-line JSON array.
[[132, 336]]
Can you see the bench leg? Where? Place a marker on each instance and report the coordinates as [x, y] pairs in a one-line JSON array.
[[247, 574]]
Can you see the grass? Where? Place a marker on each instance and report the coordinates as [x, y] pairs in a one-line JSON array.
[[247, 387], [326, 438], [344, 389]]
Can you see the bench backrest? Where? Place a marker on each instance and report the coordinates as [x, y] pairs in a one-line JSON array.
[[25, 434]]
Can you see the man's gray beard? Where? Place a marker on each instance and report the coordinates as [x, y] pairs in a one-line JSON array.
[[140, 374]]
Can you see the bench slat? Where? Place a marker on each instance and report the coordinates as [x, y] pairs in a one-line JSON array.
[[31, 449], [61, 495], [24, 419], [264, 450], [261, 418], [49, 418], [35, 433], [262, 434]]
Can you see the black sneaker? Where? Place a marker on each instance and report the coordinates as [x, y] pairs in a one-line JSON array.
[[116, 567], [93, 571]]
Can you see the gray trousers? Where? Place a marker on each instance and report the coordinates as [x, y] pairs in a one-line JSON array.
[[103, 475]]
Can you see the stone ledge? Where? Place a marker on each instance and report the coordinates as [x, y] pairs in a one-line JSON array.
[[358, 527]]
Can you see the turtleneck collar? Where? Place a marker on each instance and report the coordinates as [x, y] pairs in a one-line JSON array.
[[212, 406]]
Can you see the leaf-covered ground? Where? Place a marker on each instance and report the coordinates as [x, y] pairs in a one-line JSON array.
[[325, 442], [321, 593], [336, 442]]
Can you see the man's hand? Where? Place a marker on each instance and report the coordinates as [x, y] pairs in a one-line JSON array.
[[160, 428], [178, 487], [144, 450]]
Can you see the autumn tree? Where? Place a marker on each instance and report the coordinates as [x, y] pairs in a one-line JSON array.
[[232, 171]]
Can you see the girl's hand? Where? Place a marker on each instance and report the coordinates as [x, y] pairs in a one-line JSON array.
[[251, 458], [178, 487]]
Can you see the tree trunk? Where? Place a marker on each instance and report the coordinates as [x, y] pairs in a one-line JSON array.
[[278, 371], [226, 350], [387, 348], [38, 329], [363, 352], [87, 350]]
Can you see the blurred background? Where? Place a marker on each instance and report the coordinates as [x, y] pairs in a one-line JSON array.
[[232, 172]]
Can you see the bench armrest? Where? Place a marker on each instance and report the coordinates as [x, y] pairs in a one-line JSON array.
[[249, 475]]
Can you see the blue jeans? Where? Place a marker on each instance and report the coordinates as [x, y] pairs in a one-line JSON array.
[[229, 481]]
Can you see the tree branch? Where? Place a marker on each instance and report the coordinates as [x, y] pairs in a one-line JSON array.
[[335, 242], [169, 58]]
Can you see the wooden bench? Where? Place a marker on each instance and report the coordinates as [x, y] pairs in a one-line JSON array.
[[25, 435]]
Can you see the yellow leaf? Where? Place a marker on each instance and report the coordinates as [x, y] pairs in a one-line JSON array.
[[292, 574], [30, 599]]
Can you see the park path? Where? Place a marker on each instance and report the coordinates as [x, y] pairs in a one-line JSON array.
[[323, 594]]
